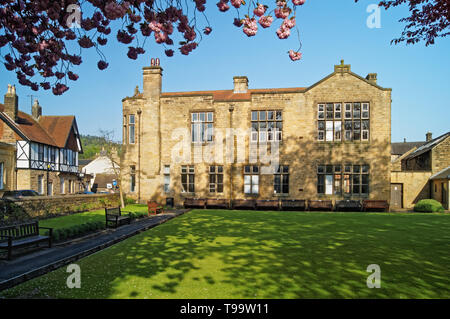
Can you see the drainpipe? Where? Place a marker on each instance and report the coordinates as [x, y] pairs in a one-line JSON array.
[[139, 112], [231, 109]]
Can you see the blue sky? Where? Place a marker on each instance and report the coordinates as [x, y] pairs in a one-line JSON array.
[[330, 31]]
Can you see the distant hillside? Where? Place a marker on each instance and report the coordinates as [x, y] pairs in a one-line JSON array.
[[92, 145]]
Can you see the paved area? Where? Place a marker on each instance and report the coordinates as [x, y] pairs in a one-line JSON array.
[[32, 264]]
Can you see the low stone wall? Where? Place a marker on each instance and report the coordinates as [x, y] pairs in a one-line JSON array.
[[50, 206]]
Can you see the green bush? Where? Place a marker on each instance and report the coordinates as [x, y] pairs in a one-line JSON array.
[[428, 206], [129, 201], [60, 234]]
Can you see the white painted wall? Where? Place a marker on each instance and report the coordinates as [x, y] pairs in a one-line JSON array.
[[100, 165]]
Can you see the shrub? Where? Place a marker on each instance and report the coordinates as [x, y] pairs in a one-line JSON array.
[[428, 206], [60, 234], [129, 201]]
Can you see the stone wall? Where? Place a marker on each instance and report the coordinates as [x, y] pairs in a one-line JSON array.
[[441, 155], [7, 157], [51, 206], [416, 186]]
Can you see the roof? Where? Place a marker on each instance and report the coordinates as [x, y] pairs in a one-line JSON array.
[[428, 146], [400, 148], [229, 95], [444, 174], [84, 162], [50, 130], [58, 127]]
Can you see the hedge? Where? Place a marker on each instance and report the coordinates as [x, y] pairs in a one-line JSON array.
[[64, 233], [428, 206]]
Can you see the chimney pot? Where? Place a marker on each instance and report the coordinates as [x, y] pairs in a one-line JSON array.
[[240, 84], [429, 136], [372, 78]]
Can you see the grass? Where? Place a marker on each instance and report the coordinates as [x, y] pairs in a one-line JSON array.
[[81, 218], [248, 254]]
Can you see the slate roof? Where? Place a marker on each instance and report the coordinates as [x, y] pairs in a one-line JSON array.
[[400, 148], [444, 174], [428, 146]]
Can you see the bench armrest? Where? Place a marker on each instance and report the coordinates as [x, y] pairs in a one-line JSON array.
[[125, 211], [45, 227]]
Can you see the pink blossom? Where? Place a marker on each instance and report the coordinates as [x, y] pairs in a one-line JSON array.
[[102, 65], [250, 27], [160, 37], [155, 26], [265, 21], [283, 32], [169, 52], [259, 10], [295, 55], [283, 12], [298, 2], [222, 5], [207, 30], [289, 23], [236, 3]]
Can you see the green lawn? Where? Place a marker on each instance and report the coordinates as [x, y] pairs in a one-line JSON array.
[[81, 218], [248, 254]]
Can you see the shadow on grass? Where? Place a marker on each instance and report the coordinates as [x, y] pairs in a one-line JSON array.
[[237, 254]]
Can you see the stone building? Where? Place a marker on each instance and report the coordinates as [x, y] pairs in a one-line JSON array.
[[421, 172], [331, 140], [7, 166], [47, 147]]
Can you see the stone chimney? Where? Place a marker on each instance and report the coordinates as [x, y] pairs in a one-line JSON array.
[[341, 68], [240, 84], [11, 102], [152, 81], [429, 136], [372, 78], [36, 110]]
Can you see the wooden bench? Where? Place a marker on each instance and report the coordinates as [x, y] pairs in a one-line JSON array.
[[293, 204], [154, 208], [267, 204], [217, 203], [348, 205], [22, 235], [194, 203], [114, 216], [244, 204], [375, 205], [320, 205]]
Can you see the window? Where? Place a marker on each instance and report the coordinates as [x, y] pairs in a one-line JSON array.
[[50, 189], [1, 175], [41, 184], [61, 185], [124, 138], [281, 180], [202, 127], [52, 155], [267, 126], [188, 179], [216, 179], [40, 152], [354, 126], [251, 179], [166, 178], [131, 126], [354, 180], [132, 178]]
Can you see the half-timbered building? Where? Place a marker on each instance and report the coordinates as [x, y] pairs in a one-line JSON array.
[[47, 147]]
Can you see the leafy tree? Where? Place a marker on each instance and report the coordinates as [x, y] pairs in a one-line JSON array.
[[39, 35]]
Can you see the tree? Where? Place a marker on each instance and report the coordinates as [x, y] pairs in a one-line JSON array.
[[39, 35], [109, 149], [429, 19]]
